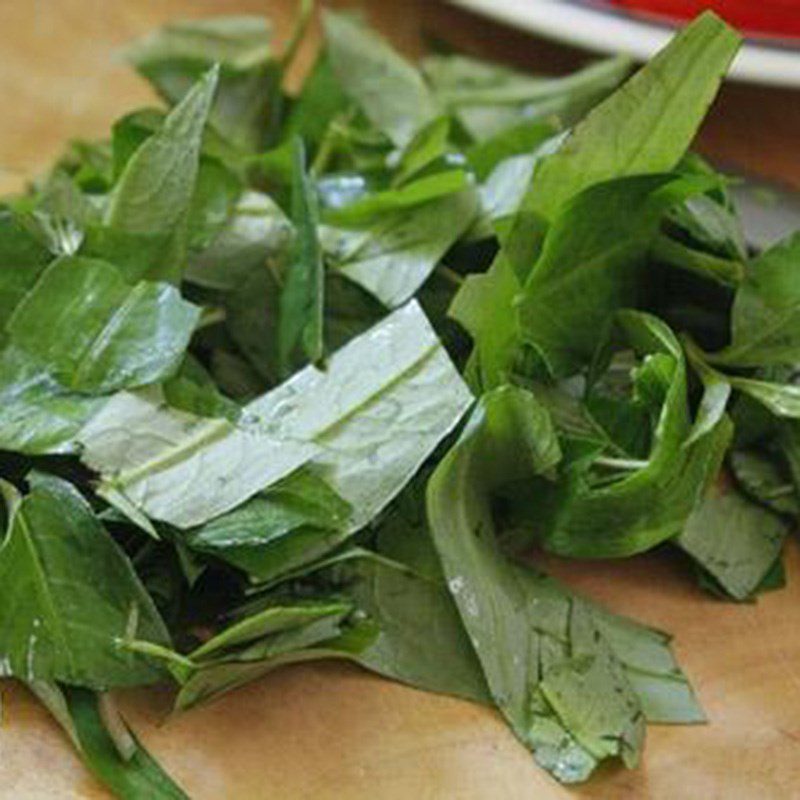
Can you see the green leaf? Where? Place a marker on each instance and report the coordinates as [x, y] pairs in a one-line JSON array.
[[350, 310], [102, 334], [766, 311], [716, 394], [394, 253], [522, 139], [23, 256], [422, 190], [295, 631], [669, 251], [89, 163], [37, 414], [320, 101], [647, 124], [591, 264], [275, 618], [762, 477], [177, 55], [256, 232], [301, 299], [389, 91], [710, 220], [650, 504], [734, 540], [544, 652], [782, 399], [216, 193], [251, 320], [407, 610], [291, 524], [152, 200], [83, 715], [132, 130], [482, 307], [193, 390], [429, 144], [489, 99], [185, 470], [403, 536], [70, 595]]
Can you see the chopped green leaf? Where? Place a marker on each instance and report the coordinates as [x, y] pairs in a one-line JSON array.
[[177, 55], [766, 313], [647, 124], [147, 453], [543, 651], [301, 301], [102, 333], [152, 200], [289, 525], [70, 595], [388, 89], [734, 540], [132, 775]]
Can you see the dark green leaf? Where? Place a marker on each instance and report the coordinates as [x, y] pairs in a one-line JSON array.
[[292, 524], [647, 502], [543, 651], [193, 390], [408, 610], [301, 299], [766, 312], [23, 256], [592, 263], [134, 775], [716, 394], [70, 595]]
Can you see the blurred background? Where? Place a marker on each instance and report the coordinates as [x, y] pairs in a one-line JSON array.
[[63, 77]]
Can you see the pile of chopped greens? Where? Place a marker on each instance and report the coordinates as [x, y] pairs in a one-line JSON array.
[[300, 376]]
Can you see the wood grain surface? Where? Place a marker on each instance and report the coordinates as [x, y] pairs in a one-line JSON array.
[[330, 732]]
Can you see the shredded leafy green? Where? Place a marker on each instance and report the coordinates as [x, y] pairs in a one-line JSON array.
[[288, 376]]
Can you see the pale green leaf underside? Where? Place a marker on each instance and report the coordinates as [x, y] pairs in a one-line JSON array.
[[366, 423]]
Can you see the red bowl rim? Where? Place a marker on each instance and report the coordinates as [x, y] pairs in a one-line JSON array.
[[783, 42]]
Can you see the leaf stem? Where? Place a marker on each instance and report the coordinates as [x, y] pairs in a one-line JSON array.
[[620, 463], [722, 270]]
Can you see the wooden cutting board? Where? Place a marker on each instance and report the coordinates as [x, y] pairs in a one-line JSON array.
[[331, 732]]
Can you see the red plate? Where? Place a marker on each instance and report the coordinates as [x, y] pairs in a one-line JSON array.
[[779, 18]]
